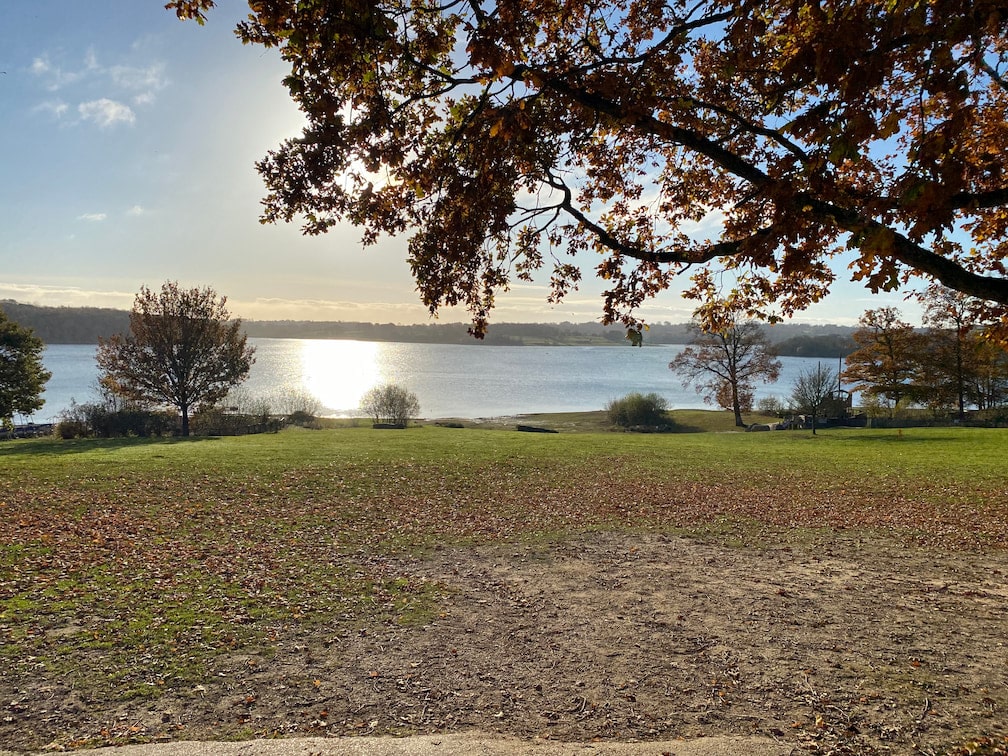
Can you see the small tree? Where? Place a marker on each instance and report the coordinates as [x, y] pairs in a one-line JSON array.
[[723, 364], [22, 376], [813, 391], [182, 350], [390, 405]]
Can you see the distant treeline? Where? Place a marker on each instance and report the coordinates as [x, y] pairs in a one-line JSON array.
[[68, 325], [507, 334], [817, 345], [85, 325]]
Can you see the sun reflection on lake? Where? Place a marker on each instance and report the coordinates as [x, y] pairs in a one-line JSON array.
[[338, 373]]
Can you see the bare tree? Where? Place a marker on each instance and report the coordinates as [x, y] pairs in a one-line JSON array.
[[813, 391], [723, 365], [390, 404]]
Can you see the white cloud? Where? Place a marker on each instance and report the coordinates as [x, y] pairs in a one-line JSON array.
[[106, 112], [56, 77], [66, 296], [276, 308], [92, 217], [132, 78], [136, 211], [56, 108], [708, 227], [138, 84]]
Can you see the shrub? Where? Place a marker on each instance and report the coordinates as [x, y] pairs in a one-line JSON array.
[[300, 407], [303, 419], [214, 421], [390, 405], [771, 405], [72, 423], [297, 402], [111, 420], [638, 409], [294, 406]]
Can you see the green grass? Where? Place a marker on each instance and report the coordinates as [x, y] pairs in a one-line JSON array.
[[160, 555], [336, 469], [684, 421]]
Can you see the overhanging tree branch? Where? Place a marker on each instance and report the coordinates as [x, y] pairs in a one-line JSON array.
[[943, 269], [810, 123]]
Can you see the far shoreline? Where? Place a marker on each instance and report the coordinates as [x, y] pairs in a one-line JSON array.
[[86, 325]]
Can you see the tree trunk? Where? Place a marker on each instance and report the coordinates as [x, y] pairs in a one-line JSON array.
[[960, 380], [185, 421], [739, 423]]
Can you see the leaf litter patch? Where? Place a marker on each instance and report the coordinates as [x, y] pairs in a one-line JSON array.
[[843, 644]]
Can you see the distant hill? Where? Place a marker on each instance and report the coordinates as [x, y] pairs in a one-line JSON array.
[[85, 325], [67, 325]]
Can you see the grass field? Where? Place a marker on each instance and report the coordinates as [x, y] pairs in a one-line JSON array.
[[156, 556]]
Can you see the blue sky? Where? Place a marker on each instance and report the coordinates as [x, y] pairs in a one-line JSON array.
[[128, 148]]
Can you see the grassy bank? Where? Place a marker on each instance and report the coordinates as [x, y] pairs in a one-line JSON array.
[[128, 566]]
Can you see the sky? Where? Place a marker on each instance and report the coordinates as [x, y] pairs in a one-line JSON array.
[[127, 148]]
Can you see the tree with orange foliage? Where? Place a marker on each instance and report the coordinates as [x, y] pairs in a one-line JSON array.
[[887, 362], [509, 136]]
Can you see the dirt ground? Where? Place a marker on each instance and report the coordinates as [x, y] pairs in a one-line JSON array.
[[841, 647]]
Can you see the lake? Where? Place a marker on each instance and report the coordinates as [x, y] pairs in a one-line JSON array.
[[450, 380]]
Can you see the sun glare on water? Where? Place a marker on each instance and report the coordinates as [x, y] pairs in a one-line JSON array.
[[338, 373]]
